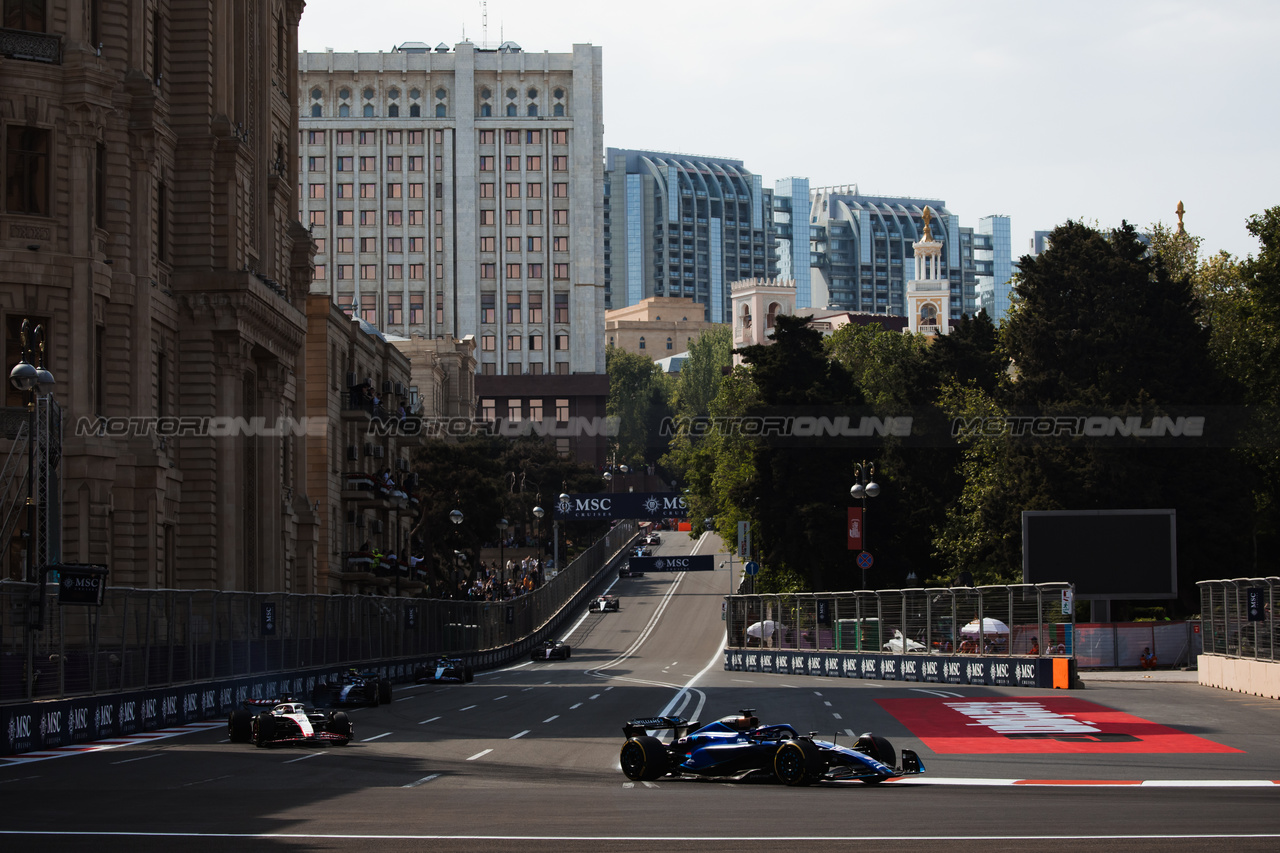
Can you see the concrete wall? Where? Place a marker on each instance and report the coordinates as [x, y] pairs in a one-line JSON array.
[[1256, 677]]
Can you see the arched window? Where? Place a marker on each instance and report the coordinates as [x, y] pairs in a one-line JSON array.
[[368, 93], [344, 93], [441, 94], [486, 94], [669, 342], [746, 316], [533, 109], [415, 93], [414, 110], [393, 110], [642, 343], [774, 308], [344, 111], [511, 93], [394, 93], [315, 111], [511, 110], [316, 93], [928, 314], [439, 110], [486, 110], [559, 93], [533, 93], [368, 110], [558, 110]]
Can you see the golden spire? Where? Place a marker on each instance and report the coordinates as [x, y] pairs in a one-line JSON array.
[[928, 232], [1181, 210]]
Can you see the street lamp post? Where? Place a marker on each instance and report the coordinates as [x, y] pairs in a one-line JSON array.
[[555, 533], [864, 486], [502, 549], [456, 518], [538, 513], [26, 377]]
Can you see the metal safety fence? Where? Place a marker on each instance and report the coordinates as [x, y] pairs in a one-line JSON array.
[[1238, 617], [141, 638], [1021, 619]]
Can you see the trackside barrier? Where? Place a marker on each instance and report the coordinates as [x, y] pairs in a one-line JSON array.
[[1015, 635], [1241, 640], [186, 655]]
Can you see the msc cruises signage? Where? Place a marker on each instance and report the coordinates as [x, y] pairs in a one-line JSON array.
[[646, 506], [688, 563]]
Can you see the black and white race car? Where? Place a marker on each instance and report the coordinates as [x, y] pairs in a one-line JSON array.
[[652, 539], [603, 604], [550, 650], [352, 687], [287, 722], [627, 572], [450, 670]]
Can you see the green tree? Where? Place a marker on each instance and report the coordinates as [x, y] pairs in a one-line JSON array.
[[698, 381], [639, 397]]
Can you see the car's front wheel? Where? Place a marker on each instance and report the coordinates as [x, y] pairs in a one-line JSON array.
[[643, 758], [798, 762], [340, 725], [264, 729]]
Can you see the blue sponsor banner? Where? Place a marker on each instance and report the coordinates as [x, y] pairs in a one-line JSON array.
[[934, 669], [645, 506], [910, 668], [688, 563]]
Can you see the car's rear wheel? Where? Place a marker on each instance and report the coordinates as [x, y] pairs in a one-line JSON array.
[[240, 727], [798, 762], [468, 675], [384, 691], [644, 758], [264, 730]]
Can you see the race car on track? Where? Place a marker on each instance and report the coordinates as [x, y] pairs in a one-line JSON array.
[[352, 687], [551, 650], [627, 572], [737, 747], [642, 551], [443, 669], [652, 539], [604, 603], [287, 723]]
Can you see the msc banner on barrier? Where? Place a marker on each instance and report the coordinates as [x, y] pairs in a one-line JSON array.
[[645, 506], [701, 563]]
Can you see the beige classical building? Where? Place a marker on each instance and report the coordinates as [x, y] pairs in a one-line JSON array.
[[657, 326], [150, 226]]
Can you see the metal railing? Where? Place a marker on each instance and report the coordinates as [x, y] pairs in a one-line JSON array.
[[1238, 617], [1023, 619], [141, 638]]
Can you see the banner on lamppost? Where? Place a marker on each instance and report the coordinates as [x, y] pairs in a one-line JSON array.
[[855, 528], [645, 506]]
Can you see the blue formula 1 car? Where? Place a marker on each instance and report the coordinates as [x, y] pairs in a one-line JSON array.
[[737, 747]]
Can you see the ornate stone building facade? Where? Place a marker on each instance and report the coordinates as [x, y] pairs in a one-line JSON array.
[[150, 225]]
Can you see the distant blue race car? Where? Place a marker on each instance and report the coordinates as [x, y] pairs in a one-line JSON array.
[[737, 747]]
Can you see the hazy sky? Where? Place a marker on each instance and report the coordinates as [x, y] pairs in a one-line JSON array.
[[1043, 111]]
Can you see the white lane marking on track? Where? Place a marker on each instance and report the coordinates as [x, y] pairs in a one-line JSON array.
[[139, 758], [503, 696], [594, 696], [650, 784], [520, 735], [480, 754], [850, 733], [432, 720], [628, 784], [828, 704], [607, 689], [202, 781], [575, 707], [424, 780], [743, 680], [304, 758], [375, 737], [405, 698], [468, 708], [553, 717], [816, 693], [114, 743], [837, 716], [944, 693]]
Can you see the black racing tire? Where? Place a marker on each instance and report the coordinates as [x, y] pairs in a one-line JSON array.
[[878, 748], [644, 758], [468, 675], [798, 762], [340, 724], [264, 730], [384, 691], [240, 727]]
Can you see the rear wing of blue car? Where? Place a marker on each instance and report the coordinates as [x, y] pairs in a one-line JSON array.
[[679, 725]]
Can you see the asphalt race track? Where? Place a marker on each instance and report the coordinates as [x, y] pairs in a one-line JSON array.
[[526, 759]]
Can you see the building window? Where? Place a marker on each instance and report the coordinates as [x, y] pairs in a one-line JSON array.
[[393, 190], [369, 272], [486, 163], [368, 113], [533, 163], [368, 217], [535, 409], [487, 270], [486, 111], [513, 244], [368, 191], [535, 307], [315, 137], [439, 193], [439, 307], [560, 190], [513, 307], [345, 190], [415, 308], [345, 217], [533, 137], [562, 307], [486, 244], [486, 190], [669, 344], [511, 110], [316, 111], [368, 244], [344, 137], [558, 110], [486, 137], [486, 217], [488, 308], [559, 163], [535, 271], [559, 244], [316, 191], [395, 271], [415, 244], [395, 309], [561, 272], [488, 343], [415, 190], [369, 308], [513, 217], [319, 273], [559, 217], [394, 217], [488, 409], [535, 342], [344, 111], [513, 343], [511, 137], [642, 346], [513, 190], [511, 163], [513, 271], [440, 111], [439, 271], [393, 137], [415, 137], [395, 245], [393, 111], [393, 163], [345, 245], [26, 152], [535, 190], [562, 411], [559, 137], [316, 217], [535, 216]]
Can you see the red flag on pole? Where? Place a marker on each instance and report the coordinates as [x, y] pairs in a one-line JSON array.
[[855, 528]]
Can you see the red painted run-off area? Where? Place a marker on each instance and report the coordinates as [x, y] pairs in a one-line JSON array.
[[1006, 724]]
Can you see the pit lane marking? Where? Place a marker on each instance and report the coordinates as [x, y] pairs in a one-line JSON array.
[[432, 720], [375, 737], [480, 754]]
